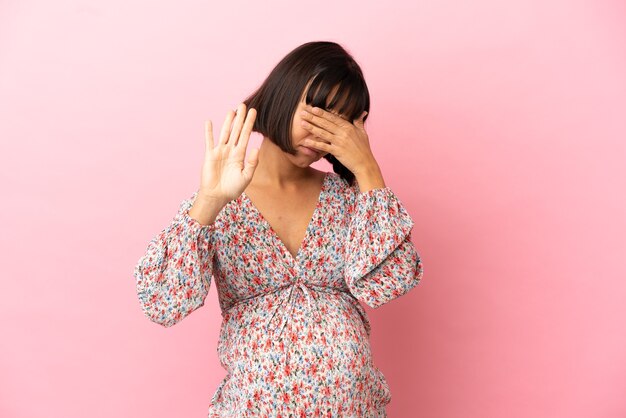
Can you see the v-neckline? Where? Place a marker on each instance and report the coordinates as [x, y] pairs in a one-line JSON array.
[[307, 232]]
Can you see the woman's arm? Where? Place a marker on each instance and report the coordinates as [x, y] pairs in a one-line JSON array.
[[381, 263], [173, 277]]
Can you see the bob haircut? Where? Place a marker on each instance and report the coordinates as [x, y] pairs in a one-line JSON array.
[[310, 71]]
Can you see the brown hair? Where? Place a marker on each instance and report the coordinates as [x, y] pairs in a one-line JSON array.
[[321, 65]]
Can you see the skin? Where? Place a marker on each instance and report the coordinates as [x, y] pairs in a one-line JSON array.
[[326, 132], [290, 189], [283, 187]]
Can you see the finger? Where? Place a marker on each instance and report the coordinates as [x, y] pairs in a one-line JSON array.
[[323, 119], [247, 129], [234, 134], [226, 127], [316, 131], [208, 135], [322, 146], [251, 163], [360, 120]]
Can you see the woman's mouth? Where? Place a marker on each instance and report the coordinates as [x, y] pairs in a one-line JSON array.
[[310, 151]]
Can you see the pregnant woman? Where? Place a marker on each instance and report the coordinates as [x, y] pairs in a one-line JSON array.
[[292, 250]]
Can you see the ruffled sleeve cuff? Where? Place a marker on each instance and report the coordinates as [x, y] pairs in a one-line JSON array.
[[173, 276], [379, 224], [380, 260]]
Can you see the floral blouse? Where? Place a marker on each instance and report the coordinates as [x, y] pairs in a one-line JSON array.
[[294, 338]]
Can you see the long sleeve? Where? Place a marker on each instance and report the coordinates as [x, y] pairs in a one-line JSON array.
[[174, 275], [381, 263]]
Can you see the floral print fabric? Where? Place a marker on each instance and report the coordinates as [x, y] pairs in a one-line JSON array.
[[294, 339]]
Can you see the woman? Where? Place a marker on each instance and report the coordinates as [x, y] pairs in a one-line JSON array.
[[292, 250]]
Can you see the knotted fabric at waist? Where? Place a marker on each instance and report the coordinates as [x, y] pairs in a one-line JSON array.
[[290, 302]]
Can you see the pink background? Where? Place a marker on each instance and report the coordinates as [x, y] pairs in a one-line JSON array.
[[500, 124]]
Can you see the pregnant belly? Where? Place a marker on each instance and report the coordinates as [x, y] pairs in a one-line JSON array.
[[273, 332], [326, 364]]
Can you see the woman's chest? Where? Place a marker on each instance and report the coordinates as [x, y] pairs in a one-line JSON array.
[[288, 218], [250, 256]]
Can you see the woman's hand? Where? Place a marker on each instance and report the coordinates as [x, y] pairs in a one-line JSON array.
[[348, 142], [224, 173]]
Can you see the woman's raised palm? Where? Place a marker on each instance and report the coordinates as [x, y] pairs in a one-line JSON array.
[[225, 175]]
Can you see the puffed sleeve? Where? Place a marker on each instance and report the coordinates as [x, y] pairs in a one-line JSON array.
[[174, 275], [380, 262]]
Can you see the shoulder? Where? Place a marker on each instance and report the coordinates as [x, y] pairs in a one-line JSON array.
[[340, 191], [342, 185]]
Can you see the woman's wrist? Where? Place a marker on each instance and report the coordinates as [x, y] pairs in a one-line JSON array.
[[370, 178], [205, 210]]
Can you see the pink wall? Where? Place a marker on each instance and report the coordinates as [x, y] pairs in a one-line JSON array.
[[501, 125]]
